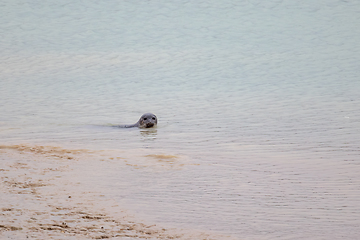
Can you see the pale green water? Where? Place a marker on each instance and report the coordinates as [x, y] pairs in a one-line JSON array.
[[260, 100]]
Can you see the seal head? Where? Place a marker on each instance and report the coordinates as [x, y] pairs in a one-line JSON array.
[[147, 120]]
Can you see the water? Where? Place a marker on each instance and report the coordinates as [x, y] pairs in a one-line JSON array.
[[258, 107]]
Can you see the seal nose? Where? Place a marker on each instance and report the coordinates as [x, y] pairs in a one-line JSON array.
[[149, 125]]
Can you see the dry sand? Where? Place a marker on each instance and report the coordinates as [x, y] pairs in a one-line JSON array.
[[39, 200]]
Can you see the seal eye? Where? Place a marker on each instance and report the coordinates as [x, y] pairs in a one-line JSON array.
[[145, 119], [153, 118]]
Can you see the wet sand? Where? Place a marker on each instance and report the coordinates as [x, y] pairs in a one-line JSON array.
[[41, 199]]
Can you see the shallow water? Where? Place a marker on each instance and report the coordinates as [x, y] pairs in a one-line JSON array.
[[258, 107]]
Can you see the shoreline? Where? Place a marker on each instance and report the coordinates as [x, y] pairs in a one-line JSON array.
[[41, 200]]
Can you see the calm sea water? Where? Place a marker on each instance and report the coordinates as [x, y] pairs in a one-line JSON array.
[[258, 106]]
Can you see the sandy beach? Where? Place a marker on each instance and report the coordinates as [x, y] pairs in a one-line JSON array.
[[40, 200]]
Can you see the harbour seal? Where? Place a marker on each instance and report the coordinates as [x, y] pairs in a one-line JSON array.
[[147, 120]]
